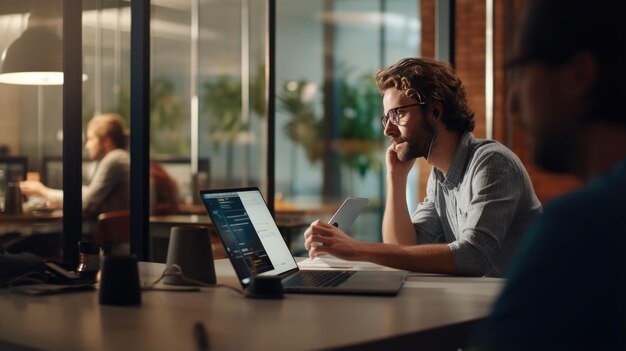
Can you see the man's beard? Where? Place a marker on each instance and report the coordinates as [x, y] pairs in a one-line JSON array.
[[413, 150], [416, 147]]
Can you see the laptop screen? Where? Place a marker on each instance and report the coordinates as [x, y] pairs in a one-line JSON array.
[[248, 232]]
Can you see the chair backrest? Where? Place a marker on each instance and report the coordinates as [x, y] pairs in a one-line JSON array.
[[113, 232]]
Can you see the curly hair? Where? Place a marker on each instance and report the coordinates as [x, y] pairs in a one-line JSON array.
[[428, 81]]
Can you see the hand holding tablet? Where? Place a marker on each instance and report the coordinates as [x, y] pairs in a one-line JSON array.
[[348, 212], [342, 219]]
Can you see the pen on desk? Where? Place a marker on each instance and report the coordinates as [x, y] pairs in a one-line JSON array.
[[201, 337]]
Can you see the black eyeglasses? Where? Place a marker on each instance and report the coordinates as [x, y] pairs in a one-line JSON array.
[[393, 116]]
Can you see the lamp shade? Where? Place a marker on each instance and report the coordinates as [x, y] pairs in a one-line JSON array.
[[35, 58]]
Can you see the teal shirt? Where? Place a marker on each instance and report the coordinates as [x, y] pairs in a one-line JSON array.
[[566, 284]]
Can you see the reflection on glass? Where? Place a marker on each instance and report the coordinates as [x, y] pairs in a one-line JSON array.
[[31, 110], [207, 107], [208, 123], [232, 124], [207, 61], [329, 142]]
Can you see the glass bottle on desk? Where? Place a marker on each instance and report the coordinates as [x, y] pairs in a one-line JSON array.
[[88, 260]]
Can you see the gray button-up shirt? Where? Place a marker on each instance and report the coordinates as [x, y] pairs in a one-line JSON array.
[[481, 207], [109, 188]]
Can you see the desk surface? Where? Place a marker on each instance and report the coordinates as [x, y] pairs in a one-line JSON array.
[[204, 219], [165, 320], [29, 217]]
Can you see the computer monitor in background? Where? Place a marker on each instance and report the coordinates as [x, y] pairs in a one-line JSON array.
[[52, 171], [13, 168]]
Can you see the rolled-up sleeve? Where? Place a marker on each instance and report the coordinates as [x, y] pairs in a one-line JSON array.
[[486, 220]]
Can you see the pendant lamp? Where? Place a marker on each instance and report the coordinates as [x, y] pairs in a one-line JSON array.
[[35, 58]]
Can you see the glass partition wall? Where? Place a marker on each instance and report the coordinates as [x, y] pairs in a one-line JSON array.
[[329, 140], [31, 127], [37, 125], [208, 105], [207, 94], [207, 110], [208, 77], [232, 128], [207, 99]]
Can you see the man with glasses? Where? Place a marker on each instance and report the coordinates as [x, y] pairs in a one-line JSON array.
[[566, 287], [479, 198]]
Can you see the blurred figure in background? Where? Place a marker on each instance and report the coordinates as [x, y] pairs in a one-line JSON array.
[[109, 187], [165, 196], [566, 289]]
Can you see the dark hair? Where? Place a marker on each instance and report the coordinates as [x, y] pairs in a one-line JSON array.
[[428, 80], [111, 125], [553, 31]]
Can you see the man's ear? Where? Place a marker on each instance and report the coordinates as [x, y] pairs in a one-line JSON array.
[[580, 74], [437, 108], [107, 143]]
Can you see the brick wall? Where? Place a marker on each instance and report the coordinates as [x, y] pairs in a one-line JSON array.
[[470, 66], [470, 56], [427, 9], [428, 51]]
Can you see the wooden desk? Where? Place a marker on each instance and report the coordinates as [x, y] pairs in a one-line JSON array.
[[39, 232], [27, 221], [429, 310], [30, 217]]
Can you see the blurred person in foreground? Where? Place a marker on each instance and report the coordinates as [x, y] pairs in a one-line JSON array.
[[566, 285], [479, 198], [109, 187]]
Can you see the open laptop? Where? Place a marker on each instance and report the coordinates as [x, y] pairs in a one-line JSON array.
[[256, 247]]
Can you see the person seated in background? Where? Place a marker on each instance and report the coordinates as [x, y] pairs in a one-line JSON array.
[[479, 198], [165, 196], [566, 288], [109, 187]]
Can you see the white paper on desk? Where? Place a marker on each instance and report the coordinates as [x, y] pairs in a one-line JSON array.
[[326, 261]]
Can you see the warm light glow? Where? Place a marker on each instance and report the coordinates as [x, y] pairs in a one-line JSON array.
[[34, 78], [292, 86], [375, 19]]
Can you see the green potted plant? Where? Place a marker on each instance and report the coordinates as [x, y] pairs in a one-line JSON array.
[[304, 128], [360, 136], [167, 117]]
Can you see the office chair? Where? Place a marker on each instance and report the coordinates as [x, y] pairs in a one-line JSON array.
[[113, 232]]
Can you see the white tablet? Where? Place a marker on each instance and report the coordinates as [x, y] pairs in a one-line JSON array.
[[348, 212]]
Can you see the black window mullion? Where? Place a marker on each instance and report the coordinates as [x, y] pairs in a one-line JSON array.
[[140, 128], [72, 129]]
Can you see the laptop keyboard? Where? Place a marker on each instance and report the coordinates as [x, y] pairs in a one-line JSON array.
[[311, 278]]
